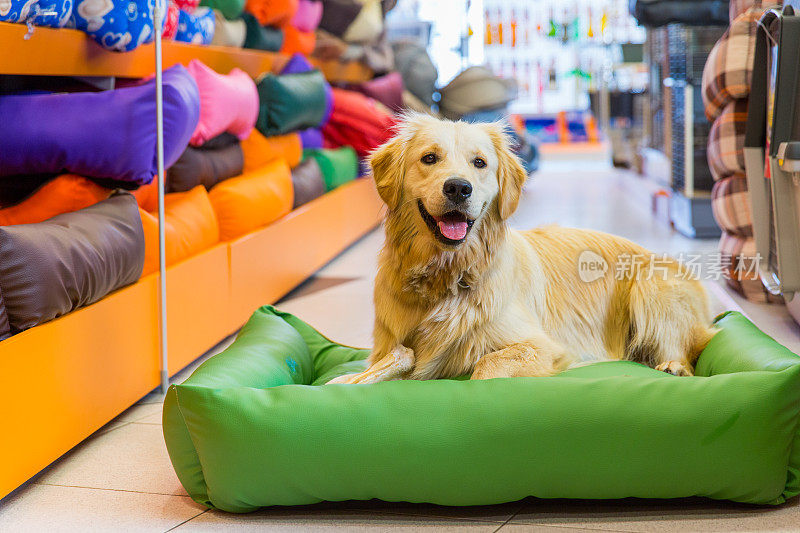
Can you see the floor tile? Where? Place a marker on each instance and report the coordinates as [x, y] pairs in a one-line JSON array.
[[52, 509], [343, 313], [570, 198], [312, 520], [138, 412], [157, 397], [132, 457], [694, 514], [538, 528], [358, 260], [133, 413], [153, 418], [314, 284]]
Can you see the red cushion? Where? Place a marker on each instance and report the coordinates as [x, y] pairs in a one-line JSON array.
[[358, 122]]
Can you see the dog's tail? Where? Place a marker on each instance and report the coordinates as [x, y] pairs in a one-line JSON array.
[[668, 321], [701, 335]]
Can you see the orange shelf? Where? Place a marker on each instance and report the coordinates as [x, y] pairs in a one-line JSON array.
[[198, 296], [67, 378], [66, 52], [352, 72]]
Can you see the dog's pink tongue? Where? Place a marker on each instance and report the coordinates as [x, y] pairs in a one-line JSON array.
[[453, 230]]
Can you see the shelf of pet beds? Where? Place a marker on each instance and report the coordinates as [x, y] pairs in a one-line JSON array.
[[66, 52]]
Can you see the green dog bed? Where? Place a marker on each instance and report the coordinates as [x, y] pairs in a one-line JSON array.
[[253, 427]]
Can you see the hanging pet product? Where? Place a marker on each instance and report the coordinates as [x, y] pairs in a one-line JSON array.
[[772, 155]]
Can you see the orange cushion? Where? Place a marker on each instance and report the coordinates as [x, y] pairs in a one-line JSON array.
[[272, 12], [297, 42], [259, 150], [252, 200], [64, 194], [191, 227], [147, 195]]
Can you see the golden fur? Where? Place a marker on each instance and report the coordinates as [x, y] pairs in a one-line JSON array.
[[503, 302]]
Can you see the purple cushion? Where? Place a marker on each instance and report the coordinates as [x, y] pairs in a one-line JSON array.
[[387, 89], [109, 134], [308, 15], [311, 138], [299, 63]]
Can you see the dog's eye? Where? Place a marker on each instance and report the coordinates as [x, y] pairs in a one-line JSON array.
[[479, 162], [429, 159]]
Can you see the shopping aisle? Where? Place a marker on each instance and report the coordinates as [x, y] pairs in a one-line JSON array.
[[120, 479]]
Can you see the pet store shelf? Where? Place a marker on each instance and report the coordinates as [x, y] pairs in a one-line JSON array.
[[66, 52]]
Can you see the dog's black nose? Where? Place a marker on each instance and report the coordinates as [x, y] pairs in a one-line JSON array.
[[457, 190]]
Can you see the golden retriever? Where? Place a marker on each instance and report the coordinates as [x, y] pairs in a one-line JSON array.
[[459, 292]]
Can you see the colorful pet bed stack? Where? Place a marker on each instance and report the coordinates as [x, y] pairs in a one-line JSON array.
[[239, 427], [725, 89], [224, 177], [72, 241]]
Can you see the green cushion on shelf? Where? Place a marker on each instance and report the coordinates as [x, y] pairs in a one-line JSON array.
[[231, 9], [251, 427], [290, 102], [259, 37], [338, 165]]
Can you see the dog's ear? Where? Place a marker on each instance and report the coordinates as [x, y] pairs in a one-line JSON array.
[[511, 175], [387, 168]]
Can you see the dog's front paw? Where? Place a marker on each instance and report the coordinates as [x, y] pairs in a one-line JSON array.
[[676, 368], [346, 378], [403, 358]]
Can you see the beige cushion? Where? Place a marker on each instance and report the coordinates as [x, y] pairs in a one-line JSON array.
[[228, 32]]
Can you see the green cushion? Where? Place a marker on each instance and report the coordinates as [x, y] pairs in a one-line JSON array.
[[289, 102], [338, 165], [230, 9], [251, 427], [260, 37]]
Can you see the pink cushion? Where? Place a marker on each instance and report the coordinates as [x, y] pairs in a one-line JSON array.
[[308, 15], [228, 103]]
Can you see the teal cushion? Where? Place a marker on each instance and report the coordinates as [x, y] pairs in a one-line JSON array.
[[260, 37], [290, 102], [230, 8], [251, 427]]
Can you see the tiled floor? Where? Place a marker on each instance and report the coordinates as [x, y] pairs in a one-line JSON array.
[[120, 479]]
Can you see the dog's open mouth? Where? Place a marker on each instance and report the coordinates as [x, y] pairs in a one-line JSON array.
[[450, 228]]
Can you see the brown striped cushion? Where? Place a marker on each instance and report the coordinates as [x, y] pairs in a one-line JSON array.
[[729, 67], [742, 251], [726, 140], [731, 205]]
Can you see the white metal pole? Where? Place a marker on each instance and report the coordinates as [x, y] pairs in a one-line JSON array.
[[162, 259]]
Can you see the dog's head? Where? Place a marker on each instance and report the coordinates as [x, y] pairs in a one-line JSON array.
[[448, 176]]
